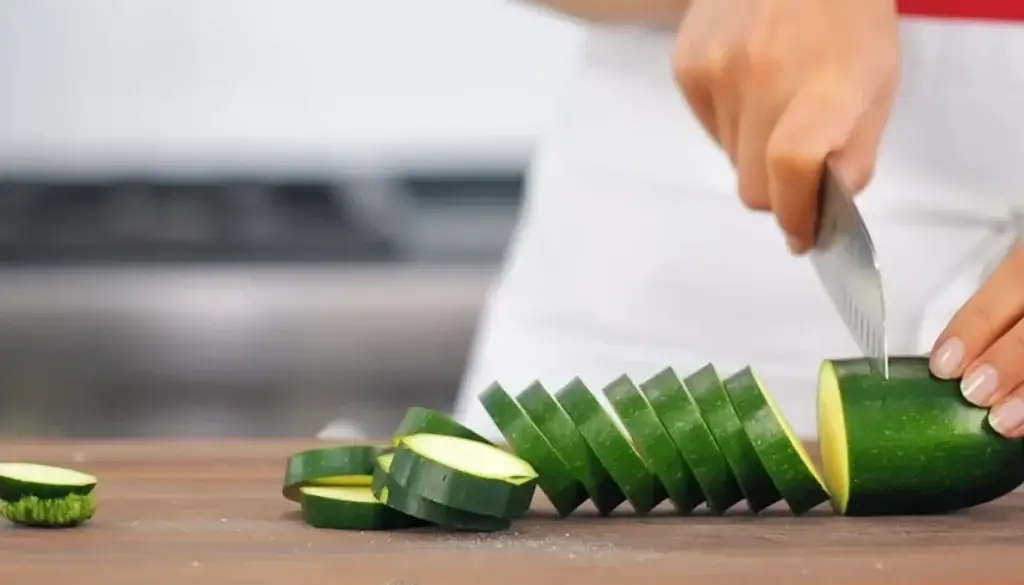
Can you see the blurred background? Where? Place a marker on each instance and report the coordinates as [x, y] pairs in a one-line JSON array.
[[256, 217]]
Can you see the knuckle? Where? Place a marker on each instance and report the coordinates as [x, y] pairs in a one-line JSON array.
[[982, 316], [761, 52]]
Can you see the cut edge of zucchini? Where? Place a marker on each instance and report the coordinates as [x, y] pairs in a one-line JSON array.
[[355, 494], [354, 480], [832, 438], [51, 475], [485, 461]]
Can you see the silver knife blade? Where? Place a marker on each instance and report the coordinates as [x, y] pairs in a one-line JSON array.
[[844, 258]]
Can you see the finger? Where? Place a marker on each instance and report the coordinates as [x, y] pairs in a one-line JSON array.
[[816, 123], [1007, 418], [855, 161], [696, 76], [997, 371], [757, 119], [987, 316], [727, 120]]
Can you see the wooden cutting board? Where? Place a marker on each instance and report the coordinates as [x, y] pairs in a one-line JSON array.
[[211, 512]]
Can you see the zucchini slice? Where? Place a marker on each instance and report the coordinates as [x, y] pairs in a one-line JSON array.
[[780, 450], [389, 492], [567, 441], [562, 489], [611, 446], [707, 391], [67, 512], [464, 474], [680, 416], [347, 466], [654, 444], [20, 479], [350, 508], [420, 420], [909, 444]]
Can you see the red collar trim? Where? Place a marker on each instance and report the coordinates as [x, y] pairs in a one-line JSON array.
[[1009, 10]]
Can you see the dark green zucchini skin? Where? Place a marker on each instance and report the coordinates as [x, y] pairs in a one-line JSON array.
[[561, 432], [705, 386], [680, 416], [654, 444], [916, 446], [452, 488], [306, 467], [395, 496], [784, 458], [563, 490], [642, 488], [419, 420]]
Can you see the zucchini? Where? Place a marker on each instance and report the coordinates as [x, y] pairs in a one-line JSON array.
[[389, 492], [715, 408], [780, 450], [909, 444], [19, 480], [654, 444], [567, 441], [562, 489], [464, 474], [66, 512], [347, 466], [611, 446], [420, 420], [680, 416], [350, 508]]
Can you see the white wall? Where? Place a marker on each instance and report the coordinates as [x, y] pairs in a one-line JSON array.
[[160, 82]]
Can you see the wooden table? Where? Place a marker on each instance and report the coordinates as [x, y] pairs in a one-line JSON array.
[[211, 512]]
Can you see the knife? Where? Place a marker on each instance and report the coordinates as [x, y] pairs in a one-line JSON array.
[[844, 258]]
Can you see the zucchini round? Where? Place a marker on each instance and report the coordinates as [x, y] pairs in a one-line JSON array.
[[567, 441], [562, 489], [420, 420], [680, 416], [707, 391], [391, 493], [351, 508], [780, 450], [19, 480], [654, 444], [611, 446], [464, 474], [909, 444], [347, 466]]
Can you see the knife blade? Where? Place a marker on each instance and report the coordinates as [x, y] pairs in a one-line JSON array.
[[844, 259]]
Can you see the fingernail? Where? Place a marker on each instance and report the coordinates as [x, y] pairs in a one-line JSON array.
[[946, 360], [1008, 417], [980, 385]]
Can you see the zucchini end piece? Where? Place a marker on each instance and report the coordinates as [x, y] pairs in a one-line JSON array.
[[67, 512]]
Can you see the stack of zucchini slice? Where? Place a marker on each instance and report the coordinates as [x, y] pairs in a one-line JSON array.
[[909, 444], [435, 472]]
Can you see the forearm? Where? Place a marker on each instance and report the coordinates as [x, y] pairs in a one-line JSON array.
[[652, 12]]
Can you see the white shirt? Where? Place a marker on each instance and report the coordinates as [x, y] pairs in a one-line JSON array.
[[633, 252]]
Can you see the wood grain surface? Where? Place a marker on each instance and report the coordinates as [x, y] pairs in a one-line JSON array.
[[211, 512]]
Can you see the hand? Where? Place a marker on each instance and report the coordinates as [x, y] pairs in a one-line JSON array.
[[784, 84], [984, 344]]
